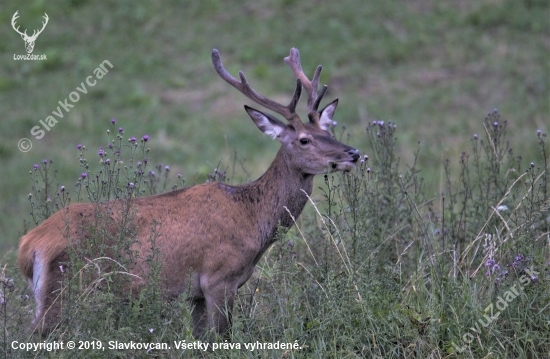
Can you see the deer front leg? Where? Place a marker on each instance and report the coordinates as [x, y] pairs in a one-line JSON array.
[[198, 312], [219, 306]]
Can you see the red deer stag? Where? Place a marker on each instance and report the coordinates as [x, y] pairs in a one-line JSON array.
[[211, 235]]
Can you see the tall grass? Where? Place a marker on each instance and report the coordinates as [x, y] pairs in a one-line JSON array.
[[380, 265]]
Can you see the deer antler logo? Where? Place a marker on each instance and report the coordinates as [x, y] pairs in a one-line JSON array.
[[29, 40]]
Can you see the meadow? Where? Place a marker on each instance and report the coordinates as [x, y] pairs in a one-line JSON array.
[[436, 246]]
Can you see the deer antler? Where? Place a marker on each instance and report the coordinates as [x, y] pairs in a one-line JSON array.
[[314, 97], [24, 34], [288, 112], [13, 19], [43, 26]]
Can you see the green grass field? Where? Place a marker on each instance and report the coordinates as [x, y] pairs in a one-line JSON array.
[[433, 68]]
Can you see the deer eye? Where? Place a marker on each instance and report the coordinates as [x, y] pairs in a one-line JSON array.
[[304, 141]]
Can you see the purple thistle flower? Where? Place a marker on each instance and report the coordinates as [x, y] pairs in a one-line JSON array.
[[475, 136], [132, 139], [35, 166], [120, 130], [79, 146], [84, 175], [489, 263], [145, 138], [167, 168], [113, 121], [100, 152], [110, 146]]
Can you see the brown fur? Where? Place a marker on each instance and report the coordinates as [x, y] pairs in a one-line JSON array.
[[210, 236]]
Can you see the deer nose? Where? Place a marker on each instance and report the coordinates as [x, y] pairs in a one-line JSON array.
[[354, 154]]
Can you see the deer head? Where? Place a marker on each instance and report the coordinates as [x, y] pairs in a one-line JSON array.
[[29, 40], [310, 146]]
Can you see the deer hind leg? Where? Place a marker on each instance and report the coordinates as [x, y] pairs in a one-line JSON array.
[[46, 284]]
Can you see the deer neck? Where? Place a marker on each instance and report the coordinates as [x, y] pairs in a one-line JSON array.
[[279, 196]]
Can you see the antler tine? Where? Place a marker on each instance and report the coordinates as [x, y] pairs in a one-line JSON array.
[[314, 97], [46, 18], [288, 112], [13, 20]]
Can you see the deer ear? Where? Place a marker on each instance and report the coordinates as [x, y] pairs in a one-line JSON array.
[[326, 114], [266, 123]]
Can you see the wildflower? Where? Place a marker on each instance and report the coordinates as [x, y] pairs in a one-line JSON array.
[[62, 188], [489, 263], [120, 130], [495, 123], [107, 161], [475, 136], [79, 146], [131, 185], [532, 164], [151, 330], [167, 168], [145, 138], [538, 132], [113, 121], [100, 152], [132, 140], [110, 146], [35, 167], [44, 162], [84, 175]]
